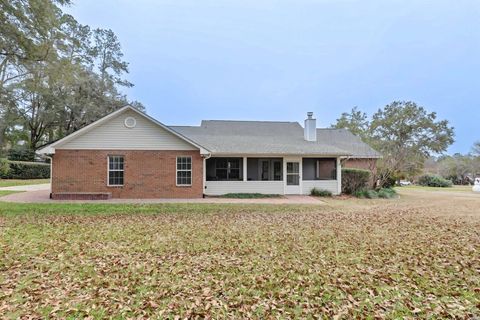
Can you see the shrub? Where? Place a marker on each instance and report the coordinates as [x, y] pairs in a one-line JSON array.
[[384, 193], [26, 170], [354, 180], [387, 193], [366, 193], [320, 193], [390, 182], [4, 167], [434, 181], [21, 154]]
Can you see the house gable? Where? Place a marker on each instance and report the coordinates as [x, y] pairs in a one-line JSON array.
[[125, 129], [114, 134]]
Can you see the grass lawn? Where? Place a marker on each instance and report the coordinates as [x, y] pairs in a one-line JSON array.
[[15, 182], [452, 189], [7, 192], [417, 256]]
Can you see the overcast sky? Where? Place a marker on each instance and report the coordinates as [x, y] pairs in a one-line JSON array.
[[275, 60]]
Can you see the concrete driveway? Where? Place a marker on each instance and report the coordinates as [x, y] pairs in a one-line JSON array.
[[40, 194]]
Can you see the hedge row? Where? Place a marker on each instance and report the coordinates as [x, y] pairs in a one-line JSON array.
[[24, 170]]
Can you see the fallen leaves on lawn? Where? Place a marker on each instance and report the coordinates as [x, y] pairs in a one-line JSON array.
[[390, 260]]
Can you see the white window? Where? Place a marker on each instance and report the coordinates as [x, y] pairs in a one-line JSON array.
[[184, 171], [115, 170]]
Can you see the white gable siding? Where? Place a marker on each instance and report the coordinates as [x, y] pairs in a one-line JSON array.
[[113, 134]]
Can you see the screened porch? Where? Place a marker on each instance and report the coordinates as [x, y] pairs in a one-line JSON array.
[[270, 175]]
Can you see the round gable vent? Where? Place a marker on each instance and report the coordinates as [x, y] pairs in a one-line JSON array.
[[130, 122]]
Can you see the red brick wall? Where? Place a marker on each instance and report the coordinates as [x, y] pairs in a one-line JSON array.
[[148, 174], [360, 163], [363, 163]]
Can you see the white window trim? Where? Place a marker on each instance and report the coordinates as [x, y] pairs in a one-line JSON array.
[[176, 171], [108, 171]]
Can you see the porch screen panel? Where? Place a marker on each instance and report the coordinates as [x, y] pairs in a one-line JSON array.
[[264, 169], [277, 170], [224, 169], [319, 169]]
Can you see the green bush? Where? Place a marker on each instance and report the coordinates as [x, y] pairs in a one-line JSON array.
[[366, 193], [429, 180], [390, 182], [320, 193], [354, 180], [387, 193], [21, 154], [4, 167], [26, 170], [384, 193]]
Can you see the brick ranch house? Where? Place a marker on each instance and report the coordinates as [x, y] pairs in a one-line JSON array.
[[128, 154]]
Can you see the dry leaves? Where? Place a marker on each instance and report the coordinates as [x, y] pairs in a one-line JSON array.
[[366, 259]]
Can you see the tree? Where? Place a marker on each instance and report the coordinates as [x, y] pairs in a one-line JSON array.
[[26, 40], [56, 75], [476, 149], [405, 133], [476, 160], [356, 122], [456, 168]]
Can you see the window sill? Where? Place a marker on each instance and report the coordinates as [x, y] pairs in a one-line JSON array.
[[115, 186], [184, 185]]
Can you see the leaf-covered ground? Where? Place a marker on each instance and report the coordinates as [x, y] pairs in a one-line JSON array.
[[414, 257]]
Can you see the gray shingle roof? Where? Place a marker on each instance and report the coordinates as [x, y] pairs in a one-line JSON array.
[[346, 140], [279, 138]]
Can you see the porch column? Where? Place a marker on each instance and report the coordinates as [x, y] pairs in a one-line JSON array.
[[339, 175], [244, 168], [204, 174]]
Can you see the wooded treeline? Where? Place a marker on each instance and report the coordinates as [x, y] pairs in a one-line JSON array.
[[459, 168], [412, 142], [56, 75], [404, 133]]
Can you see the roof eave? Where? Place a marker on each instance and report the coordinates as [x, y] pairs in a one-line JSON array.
[[276, 154], [364, 157], [46, 150]]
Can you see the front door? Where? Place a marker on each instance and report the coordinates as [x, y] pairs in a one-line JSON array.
[[293, 178]]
